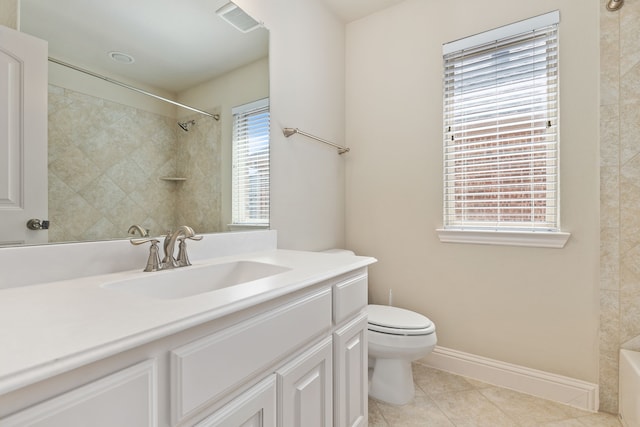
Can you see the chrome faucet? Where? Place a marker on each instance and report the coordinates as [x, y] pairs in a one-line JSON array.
[[169, 261], [181, 234]]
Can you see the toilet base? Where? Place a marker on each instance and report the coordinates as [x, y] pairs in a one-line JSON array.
[[392, 381]]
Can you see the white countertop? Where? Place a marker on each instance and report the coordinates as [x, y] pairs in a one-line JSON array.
[[47, 329]]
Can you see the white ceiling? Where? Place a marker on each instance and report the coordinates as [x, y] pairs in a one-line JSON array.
[[176, 44], [351, 10]]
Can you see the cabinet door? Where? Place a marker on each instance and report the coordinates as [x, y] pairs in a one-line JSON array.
[[305, 389], [350, 367], [125, 398], [253, 408]]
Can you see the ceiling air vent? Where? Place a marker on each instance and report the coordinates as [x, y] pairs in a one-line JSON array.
[[237, 17]]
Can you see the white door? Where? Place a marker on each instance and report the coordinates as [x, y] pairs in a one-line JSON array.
[[23, 136]]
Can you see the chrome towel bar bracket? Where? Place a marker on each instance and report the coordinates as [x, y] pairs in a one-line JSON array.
[[291, 131]]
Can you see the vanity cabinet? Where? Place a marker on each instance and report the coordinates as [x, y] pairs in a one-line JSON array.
[[297, 360], [124, 398]]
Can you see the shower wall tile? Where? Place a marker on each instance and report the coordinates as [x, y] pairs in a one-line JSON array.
[[609, 135], [629, 131], [629, 206], [629, 296], [69, 164], [609, 58], [102, 193], [91, 144], [67, 207], [629, 277], [609, 320], [630, 86], [617, 201], [105, 165], [120, 215], [609, 381], [629, 36], [609, 259], [629, 315], [126, 174], [609, 197], [199, 197]]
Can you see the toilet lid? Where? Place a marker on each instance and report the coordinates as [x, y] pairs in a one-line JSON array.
[[398, 321]]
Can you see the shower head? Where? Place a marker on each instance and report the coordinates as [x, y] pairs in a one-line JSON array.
[[613, 5], [186, 125]]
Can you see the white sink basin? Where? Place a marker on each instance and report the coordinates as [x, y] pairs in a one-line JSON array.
[[193, 280]]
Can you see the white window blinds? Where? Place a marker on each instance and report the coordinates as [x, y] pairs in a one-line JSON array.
[[250, 176], [501, 128]]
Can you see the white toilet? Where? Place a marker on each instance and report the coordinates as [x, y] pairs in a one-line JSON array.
[[396, 338]]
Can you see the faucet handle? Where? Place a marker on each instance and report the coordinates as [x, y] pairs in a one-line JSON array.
[[142, 241], [183, 258], [153, 262]]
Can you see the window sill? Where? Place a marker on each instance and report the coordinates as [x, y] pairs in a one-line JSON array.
[[538, 239], [242, 227]]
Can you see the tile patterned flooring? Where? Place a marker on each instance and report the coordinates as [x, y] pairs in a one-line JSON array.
[[446, 400]]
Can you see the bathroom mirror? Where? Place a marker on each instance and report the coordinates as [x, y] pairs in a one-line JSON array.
[[118, 157]]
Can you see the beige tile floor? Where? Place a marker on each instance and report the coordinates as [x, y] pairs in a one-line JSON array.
[[444, 399]]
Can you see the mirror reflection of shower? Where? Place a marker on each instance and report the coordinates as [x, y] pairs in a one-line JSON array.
[[186, 125]]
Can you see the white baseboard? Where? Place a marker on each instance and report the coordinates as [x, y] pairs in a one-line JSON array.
[[568, 391]]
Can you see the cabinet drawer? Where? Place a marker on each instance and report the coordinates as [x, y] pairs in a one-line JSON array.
[[205, 370], [125, 398], [349, 297]]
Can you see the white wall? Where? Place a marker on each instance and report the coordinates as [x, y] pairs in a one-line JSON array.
[[306, 57], [528, 306]]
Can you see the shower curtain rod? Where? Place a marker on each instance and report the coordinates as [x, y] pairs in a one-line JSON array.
[[133, 88], [290, 131]]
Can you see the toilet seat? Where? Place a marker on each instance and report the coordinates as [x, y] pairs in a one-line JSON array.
[[398, 321]]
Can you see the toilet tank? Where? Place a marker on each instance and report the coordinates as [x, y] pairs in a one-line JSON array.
[[629, 379]]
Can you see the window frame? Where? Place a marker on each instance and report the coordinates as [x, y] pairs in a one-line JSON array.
[[239, 215], [457, 230]]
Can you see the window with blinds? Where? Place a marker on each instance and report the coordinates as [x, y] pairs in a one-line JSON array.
[[501, 164], [250, 175]]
